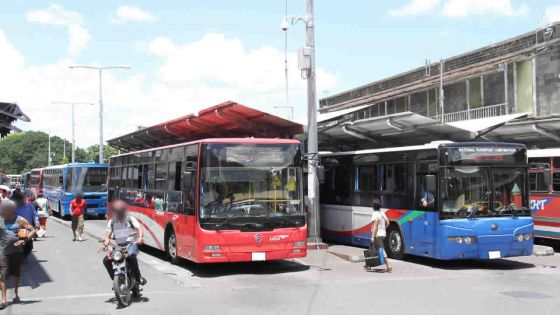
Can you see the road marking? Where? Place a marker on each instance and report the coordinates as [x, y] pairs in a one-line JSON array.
[[96, 295]]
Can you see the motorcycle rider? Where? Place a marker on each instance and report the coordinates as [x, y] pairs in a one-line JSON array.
[[124, 228]]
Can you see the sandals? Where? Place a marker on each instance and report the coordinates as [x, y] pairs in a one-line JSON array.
[[3, 305]]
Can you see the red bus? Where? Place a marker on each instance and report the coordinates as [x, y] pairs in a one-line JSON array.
[[36, 181], [216, 200], [545, 193]]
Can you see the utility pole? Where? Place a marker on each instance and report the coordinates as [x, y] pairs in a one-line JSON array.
[[307, 66], [441, 94], [73, 104], [49, 150], [100, 70]]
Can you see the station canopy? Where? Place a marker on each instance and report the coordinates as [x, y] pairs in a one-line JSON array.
[[225, 120], [9, 113], [350, 130]]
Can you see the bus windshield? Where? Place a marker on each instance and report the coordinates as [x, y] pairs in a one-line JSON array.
[[471, 191], [241, 182], [87, 179]]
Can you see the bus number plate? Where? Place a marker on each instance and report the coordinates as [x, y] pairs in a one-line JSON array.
[[258, 256], [494, 255]]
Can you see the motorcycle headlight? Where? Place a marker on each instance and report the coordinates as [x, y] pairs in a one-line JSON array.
[[117, 256]]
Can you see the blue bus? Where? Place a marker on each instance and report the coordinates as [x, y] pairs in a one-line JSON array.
[[61, 182], [445, 200]]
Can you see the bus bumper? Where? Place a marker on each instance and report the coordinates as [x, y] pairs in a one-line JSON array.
[[480, 243]]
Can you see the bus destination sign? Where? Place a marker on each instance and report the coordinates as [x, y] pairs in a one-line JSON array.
[[484, 155]]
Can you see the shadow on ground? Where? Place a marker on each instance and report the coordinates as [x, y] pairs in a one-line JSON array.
[[227, 269], [468, 264], [32, 273]]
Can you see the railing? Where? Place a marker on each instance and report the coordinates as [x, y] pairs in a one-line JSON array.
[[476, 113]]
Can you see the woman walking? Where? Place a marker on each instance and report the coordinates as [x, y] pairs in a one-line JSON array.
[[15, 232], [379, 225]]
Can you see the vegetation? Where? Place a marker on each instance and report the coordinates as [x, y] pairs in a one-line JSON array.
[[20, 152]]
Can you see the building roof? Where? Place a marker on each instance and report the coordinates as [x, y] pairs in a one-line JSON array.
[[477, 61], [225, 120], [9, 113]]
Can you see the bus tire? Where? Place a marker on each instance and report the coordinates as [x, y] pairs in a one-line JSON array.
[[394, 243], [171, 246]]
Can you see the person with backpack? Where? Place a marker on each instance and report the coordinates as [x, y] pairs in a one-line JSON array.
[[122, 224], [379, 224]]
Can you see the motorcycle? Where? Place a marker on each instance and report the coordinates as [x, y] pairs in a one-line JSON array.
[[125, 285]]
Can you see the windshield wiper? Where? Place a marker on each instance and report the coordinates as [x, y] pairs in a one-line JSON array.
[[235, 215]]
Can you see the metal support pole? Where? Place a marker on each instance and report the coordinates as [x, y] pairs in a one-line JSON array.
[[100, 115], [73, 134], [312, 137], [441, 94], [49, 150]]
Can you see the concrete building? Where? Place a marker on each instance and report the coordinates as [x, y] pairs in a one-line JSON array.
[[508, 91]]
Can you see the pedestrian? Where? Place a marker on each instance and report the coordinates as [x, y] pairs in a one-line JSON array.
[[44, 213], [78, 207], [4, 193], [15, 232], [29, 213], [379, 224]]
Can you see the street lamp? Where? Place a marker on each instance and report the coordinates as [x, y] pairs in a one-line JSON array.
[[306, 61], [100, 69], [73, 125]]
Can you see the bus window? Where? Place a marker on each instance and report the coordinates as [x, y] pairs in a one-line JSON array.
[[536, 182], [161, 176], [556, 162], [189, 189], [425, 199], [174, 177], [555, 181], [140, 183], [150, 176], [135, 177]]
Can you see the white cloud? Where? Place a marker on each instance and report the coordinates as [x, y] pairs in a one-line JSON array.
[[192, 76], [465, 8], [127, 13], [55, 14], [552, 14], [414, 7]]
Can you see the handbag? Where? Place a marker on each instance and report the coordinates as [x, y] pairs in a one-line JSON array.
[[372, 256]]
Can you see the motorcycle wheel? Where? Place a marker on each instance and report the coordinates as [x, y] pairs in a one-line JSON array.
[[122, 291]]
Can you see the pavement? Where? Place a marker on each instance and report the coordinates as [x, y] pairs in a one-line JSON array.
[[65, 277]]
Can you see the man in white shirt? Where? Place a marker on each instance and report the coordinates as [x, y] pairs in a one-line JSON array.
[[379, 224]]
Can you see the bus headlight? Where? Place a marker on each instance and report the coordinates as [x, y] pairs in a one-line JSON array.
[[462, 239], [212, 248], [527, 236], [519, 238], [299, 244]]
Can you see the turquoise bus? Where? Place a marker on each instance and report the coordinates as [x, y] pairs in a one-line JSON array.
[[61, 182]]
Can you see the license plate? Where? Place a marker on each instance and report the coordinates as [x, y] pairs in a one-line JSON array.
[[494, 255], [258, 256]]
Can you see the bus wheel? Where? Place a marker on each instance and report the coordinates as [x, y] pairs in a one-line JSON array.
[[395, 244], [171, 247]]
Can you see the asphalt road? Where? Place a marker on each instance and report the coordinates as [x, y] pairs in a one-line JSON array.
[[65, 277]]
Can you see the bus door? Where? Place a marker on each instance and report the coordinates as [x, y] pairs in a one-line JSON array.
[[187, 220], [424, 226]]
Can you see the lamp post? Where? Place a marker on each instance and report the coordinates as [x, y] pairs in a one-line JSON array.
[[100, 70], [73, 125], [307, 66]]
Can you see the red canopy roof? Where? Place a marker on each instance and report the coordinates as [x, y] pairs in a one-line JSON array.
[[225, 120]]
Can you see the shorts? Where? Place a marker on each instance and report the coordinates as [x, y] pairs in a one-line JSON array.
[[78, 223], [379, 241], [13, 268]]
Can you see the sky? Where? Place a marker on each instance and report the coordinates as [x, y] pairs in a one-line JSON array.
[[186, 55]]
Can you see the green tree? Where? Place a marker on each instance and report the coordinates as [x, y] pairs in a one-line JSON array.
[[23, 151], [93, 153]]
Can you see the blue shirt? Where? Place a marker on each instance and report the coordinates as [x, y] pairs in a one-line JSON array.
[[29, 213]]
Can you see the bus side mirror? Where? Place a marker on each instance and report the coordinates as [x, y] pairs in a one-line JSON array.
[[431, 183], [547, 178], [321, 173]]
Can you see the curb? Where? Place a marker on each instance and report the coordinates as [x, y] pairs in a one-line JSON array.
[[540, 250], [347, 257]]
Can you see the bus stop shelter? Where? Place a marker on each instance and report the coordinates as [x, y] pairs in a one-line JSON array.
[[9, 113], [225, 120]]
